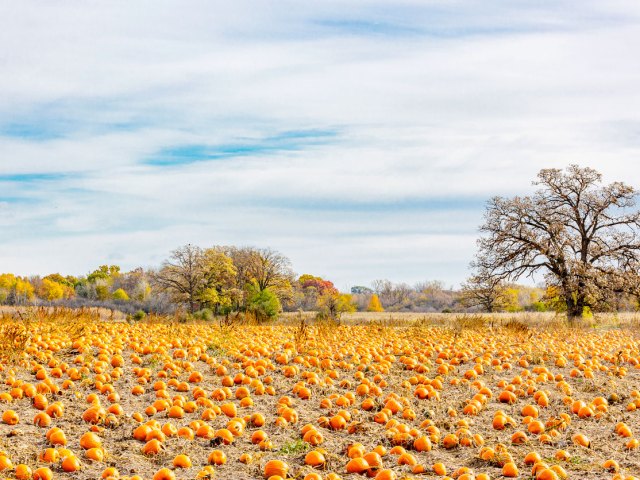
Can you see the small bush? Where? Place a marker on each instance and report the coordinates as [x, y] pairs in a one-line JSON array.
[[120, 295], [204, 314]]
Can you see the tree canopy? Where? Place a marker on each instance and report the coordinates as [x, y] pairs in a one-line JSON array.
[[581, 235]]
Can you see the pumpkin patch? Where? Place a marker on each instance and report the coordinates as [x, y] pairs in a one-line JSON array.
[[159, 400]]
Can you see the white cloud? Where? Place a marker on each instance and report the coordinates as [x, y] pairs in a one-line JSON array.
[[435, 105]]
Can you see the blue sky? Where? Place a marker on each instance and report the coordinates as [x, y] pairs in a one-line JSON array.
[[361, 139]]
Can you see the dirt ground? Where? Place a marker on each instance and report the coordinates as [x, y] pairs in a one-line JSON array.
[[332, 361]]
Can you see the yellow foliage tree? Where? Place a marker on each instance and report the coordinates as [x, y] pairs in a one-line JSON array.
[[511, 301], [375, 305], [15, 289], [50, 290]]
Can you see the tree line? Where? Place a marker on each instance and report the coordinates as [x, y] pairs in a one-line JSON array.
[[579, 239], [228, 280]]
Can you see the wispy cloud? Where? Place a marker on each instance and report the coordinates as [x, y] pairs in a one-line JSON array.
[[361, 139], [31, 177], [290, 141]]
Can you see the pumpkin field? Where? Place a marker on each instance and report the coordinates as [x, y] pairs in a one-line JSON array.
[[86, 398]]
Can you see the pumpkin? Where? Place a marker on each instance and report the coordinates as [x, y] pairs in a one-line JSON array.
[[23, 472], [96, 454], [70, 463], [357, 465], [43, 473], [510, 470], [10, 417], [90, 440], [217, 457], [315, 458], [275, 467], [164, 474], [182, 461]]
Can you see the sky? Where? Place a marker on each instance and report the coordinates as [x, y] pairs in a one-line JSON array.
[[361, 139]]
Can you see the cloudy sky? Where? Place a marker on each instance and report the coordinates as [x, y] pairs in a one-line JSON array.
[[359, 138]]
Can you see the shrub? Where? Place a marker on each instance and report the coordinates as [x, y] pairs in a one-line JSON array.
[[264, 304], [120, 295], [204, 314]]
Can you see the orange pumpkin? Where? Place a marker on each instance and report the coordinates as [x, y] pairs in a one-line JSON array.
[[23, 472], [90, 440], [275, 467], [182, 461], [10, 417], [71, 463], [43, 473], [217, 457], [164, 474], [315, 458]]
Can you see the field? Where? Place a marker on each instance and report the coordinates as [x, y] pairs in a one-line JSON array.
[[389, 397]]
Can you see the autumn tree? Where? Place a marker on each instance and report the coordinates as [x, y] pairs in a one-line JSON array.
[[263, 268], [196, 277], [374, 304], [135, 283], [583, 236], [435, 295], [311, 288], [182, 276], [219, 289], [68, 281], [270, 269], [104, 272], [15, 290], [332, 304], [484, 291], [50, 290]]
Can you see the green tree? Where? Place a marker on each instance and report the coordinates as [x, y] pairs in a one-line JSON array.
[[104, 272], [102, 290], [264, 304]]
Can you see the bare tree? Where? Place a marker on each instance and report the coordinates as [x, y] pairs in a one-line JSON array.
[[582, 235], [197, 277], [393, 296], [182, 276], [484, 291], [271, 269]]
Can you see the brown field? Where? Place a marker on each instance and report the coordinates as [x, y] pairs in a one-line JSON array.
[[421, 389]]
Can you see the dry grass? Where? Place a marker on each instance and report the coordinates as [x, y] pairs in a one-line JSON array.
[[374, 344]]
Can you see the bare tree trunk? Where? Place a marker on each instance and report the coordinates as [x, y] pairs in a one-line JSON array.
[[575, 309]]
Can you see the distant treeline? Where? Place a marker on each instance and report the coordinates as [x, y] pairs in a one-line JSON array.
[[227, 280]]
